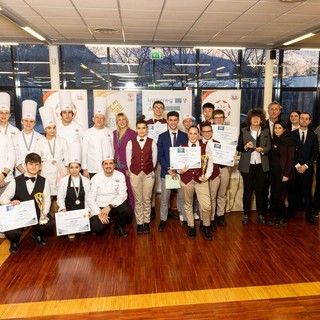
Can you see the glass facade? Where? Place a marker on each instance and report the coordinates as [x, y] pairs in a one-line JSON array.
[[25, 72]]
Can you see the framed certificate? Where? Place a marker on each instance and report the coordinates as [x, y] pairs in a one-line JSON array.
[[18, 216], [221, 153], [71, 222], [185, 156], [227, 135]]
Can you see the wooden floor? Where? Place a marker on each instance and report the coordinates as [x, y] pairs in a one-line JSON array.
[[246, 272]]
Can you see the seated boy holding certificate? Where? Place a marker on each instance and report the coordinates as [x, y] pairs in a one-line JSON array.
[[24, 188], [196, 181]]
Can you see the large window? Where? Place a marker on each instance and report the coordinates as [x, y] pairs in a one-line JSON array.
[[6, 70]]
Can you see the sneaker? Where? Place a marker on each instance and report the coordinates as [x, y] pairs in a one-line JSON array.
[[196, 216]]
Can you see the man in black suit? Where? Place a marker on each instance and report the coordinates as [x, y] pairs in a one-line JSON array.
[[274, 111], [306, 155]]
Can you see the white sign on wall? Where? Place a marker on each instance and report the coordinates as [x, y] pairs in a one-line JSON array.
[[79, 105], [119, 101]]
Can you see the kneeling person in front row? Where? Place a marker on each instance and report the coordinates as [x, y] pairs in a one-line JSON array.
[[108, 200], [23, 188]]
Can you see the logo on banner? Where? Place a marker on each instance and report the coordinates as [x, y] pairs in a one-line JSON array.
[[115, 107], [130, 97], [234, 97], [223, 105]]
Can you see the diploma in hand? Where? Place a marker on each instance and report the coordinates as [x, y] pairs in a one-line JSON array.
[[204, 163], [39, 199]]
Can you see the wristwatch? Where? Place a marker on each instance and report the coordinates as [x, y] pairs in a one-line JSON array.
[[4, 174]]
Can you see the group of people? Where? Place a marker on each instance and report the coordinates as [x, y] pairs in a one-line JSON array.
[[116, 175]]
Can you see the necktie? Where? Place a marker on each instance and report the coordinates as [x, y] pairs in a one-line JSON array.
[[302, 137], [174, 138], [193, 145], [33, 179]]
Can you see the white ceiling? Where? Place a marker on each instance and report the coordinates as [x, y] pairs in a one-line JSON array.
[[240, 23]]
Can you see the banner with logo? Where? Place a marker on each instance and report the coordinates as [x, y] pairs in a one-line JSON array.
[[119, 101], [177, 100], [226, 100], [79, 105]]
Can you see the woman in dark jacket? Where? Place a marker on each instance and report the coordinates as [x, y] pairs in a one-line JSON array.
[[281, 162], [254, 145]]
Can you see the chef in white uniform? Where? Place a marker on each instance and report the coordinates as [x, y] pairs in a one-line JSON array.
[[96, 140], [54, 154], [5, 127], [26, 140], [68, 128]]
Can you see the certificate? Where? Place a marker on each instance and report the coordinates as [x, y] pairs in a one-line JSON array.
[[70, 222], [222, 153], [185, 156], [172, 183], [225, 134], [154, 130], [18, 216]]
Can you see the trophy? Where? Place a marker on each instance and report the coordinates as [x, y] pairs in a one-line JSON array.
[[39, 199], [204, 163]]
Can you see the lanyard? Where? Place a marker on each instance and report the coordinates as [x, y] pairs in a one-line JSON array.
[[25, 141], [52, 151]]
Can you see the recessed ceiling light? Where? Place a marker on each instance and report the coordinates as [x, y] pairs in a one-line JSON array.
[[105, 30]]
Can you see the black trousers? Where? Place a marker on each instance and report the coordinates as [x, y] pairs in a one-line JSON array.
[[254, 181], [37, 230], [120, 216], [278, 192], [316, 196]]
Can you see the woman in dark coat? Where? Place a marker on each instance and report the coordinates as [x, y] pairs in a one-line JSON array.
[[281, 162]]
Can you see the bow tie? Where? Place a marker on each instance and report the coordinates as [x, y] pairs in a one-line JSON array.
[[33, 179]]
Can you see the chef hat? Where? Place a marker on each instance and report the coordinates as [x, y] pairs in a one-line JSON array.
[[29, 109], [74, 152], [4, 101], [100, 104], [107, 151], [65, 100], [47, 116], [188, 116]]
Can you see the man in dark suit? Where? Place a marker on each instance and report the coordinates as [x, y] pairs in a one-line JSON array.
[[274, 111], [306, 155], [171, 138]]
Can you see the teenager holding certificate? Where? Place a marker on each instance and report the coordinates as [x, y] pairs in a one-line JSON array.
[[74, 188], [24, 188], [196, 181], [141, 154]]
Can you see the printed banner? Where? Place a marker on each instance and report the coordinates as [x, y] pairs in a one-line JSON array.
[[226, 100], [119, 101]]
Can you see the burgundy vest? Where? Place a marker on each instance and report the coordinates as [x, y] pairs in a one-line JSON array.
[[193, 174], [141, 159]]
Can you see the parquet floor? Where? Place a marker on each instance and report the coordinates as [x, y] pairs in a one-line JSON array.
[[246, 272]]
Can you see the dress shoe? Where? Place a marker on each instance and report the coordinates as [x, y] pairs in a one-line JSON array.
[[273, 222], [245, 219], [146, 228], [192, 232], [38, 239], [206, 233], [213, 226], [14, 247], [281, 223], [172, 215], [185, 223], [162, 225], [119, 230], [221, 221], [152, 213], [201, 225], [140, 228], [261, 219]]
